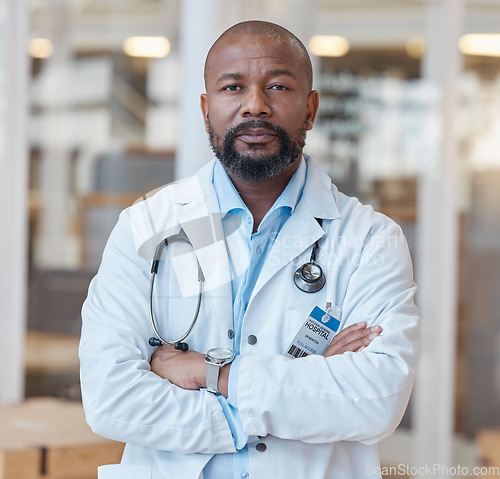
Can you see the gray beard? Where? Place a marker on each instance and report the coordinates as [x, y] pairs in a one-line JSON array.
[[256, 170]]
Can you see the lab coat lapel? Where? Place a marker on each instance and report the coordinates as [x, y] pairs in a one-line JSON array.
[[299, 232], [201, 221], [302, 229]]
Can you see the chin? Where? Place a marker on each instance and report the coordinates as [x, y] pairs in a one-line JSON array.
[[258, 153]]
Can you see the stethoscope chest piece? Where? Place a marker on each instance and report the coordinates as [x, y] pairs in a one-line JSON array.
[[309, 277]]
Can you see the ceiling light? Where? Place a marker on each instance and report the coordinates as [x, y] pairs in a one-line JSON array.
[[148, 47], [40, 48], [328, 45], [415, 46], [480, 44]]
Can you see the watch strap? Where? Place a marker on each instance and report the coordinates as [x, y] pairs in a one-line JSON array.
[[213, 377]]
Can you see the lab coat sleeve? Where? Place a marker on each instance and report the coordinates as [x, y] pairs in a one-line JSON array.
[[354, 396], [123, 399], [231, 411]]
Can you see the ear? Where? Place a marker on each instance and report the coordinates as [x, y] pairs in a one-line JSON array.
[[204, 109], [312, 108]]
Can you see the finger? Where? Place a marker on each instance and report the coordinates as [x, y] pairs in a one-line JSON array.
[[352, 341], [357, 344], [353, 346], [353, 333], [353, 330], [340, 349], [371, 334]]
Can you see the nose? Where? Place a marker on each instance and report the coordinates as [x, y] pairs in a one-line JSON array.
[[255, 103]]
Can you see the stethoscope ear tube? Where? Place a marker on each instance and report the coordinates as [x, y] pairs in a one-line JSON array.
[[181, 346], [157, 341], [156, 258]]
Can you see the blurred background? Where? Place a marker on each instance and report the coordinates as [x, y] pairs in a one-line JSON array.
[[100, 104]]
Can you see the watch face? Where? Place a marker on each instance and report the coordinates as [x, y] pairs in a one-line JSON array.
[[220, 354]]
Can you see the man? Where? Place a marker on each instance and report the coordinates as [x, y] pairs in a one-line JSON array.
[[253, 216]]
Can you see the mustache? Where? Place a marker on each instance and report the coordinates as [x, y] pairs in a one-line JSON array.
[[253, 124]]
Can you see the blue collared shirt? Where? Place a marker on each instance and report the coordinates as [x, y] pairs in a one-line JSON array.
[[235, 466]]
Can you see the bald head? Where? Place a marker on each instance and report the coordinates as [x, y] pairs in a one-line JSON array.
[[256, 28]]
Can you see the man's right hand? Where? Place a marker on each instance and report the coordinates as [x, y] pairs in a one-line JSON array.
[[354, 338]]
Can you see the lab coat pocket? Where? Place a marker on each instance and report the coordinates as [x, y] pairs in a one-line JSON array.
[[124, 471]]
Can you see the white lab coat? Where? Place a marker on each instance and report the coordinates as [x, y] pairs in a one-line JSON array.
[[319, 418]]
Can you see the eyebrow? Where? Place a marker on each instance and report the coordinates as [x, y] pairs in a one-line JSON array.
[[239, 76], [275, 73], [229, 76]]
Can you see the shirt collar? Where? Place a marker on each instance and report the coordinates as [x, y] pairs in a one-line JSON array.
[[230, 200]]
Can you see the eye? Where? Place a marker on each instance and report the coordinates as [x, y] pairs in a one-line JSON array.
[[278, 87], [231, 88]]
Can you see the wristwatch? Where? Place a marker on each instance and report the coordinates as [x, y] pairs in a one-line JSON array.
[[215, 359]]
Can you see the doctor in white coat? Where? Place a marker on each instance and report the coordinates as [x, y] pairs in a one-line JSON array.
[[252, 216]]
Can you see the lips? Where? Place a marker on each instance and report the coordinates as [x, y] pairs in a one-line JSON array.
[[256, 135]]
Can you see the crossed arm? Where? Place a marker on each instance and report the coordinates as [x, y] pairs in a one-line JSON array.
[[125, 398], [188, 369]]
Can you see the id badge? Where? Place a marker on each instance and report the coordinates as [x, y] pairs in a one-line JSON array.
[[315, 334]]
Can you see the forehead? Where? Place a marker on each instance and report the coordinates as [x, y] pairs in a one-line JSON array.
[[240, 54]]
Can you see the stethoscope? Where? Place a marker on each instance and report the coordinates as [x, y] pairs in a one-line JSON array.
[[159, 340], [309, 278]]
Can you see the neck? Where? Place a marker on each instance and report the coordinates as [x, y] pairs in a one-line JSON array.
[[259, 197]]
